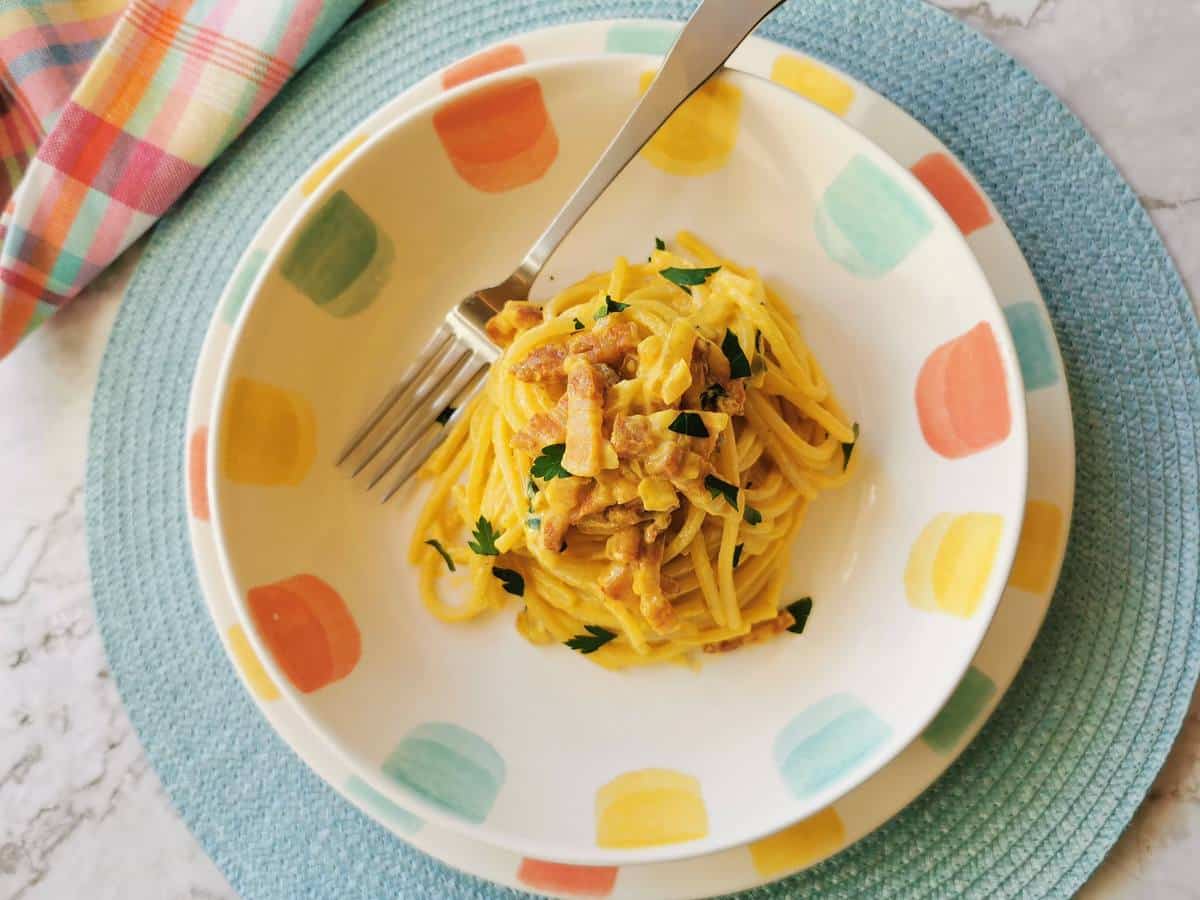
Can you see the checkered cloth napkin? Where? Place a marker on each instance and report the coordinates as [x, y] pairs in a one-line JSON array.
[[110, 109]]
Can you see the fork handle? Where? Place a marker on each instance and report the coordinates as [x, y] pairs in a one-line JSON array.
[[714, 31]]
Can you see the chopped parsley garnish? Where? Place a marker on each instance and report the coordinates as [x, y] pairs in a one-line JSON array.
[[687, 278], [533, 523], [512, 581], [437, 545], [847, 449], [800, 610], [737, 554], [689, 423], [444, 416], [531, 488], [610, 306], [751, 515], [710, 395], [578, 324], [595, 638], [549, 464], [739, 366], [485, 538], [717, 487], [659, 244]]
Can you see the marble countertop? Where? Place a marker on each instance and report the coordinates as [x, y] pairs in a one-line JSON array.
[[81, 812]]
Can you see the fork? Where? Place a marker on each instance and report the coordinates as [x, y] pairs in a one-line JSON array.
[[451, 368]]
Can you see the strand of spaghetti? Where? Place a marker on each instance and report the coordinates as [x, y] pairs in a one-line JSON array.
[[706, 580], [687, 532], [727, 452], [436, 503], [765, 412], [791, 469]]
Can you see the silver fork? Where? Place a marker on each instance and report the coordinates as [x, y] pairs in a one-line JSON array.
[[451, 368]]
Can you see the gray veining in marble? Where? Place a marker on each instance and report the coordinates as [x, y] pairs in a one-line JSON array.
[[82, 815]]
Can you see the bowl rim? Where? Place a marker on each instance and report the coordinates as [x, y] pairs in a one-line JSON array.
[[594, 855]]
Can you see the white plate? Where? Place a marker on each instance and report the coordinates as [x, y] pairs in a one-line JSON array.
[[864, 809]]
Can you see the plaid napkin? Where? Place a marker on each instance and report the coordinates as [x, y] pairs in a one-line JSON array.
[[110, 109]]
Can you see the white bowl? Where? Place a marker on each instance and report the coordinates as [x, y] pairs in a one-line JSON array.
[[531, 748]]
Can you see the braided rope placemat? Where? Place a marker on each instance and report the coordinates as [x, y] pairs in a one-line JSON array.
[[1040, 796]]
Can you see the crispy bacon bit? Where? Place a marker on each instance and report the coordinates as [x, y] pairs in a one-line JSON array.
[[607, 344], [677, 463], [585, 417], [543, 429], [634, 436], [756, 635], [544, 363], [647, 584], [517, 316]]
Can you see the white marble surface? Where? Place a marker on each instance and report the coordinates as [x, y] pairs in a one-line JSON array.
[[82, 815]]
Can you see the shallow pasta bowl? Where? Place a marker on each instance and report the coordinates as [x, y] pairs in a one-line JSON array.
[[532, 748]]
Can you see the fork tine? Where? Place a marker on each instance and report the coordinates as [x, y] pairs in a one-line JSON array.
[[427, 355], [428, 414], [434, 439], [443, 367]]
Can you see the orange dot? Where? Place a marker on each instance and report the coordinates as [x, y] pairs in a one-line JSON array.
[[198, 473], [503, 57], [576, 881], [1039, 547], [962, 399], [308, 629], [499, 137], [954, 191]]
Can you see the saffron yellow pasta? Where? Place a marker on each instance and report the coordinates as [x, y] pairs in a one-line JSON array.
[[637, 464]]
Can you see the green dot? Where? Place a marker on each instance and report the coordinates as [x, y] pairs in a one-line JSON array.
[[964, 705]]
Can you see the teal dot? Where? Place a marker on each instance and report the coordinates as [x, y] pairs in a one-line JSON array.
[[382, 807], [826, 742], [450, 767], [867, 221], [339, 260], [1031, 336], [964, 705], [239, 285], [632, 38]]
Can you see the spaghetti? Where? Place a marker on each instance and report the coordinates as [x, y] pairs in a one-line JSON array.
[[637, 464]]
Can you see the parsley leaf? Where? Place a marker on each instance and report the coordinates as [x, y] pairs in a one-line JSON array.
[[847, 449], [596, 638], [531, 488], [444, 415], [687, 278], [437, 545], [689, 423], [534, 523], [485, 538], [710, 395], [737, 554], [549, 465], [512, 581], [800, 610], [610, 306], [751, 515], [578, 324], [739, 366], [659, 244], [722, 488]]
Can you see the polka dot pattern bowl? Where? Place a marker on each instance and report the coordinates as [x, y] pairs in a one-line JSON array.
[[529, 748]]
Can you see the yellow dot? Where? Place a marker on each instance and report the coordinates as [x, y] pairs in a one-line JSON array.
[[813, 81], [648, 808], [256, 676], [950, 563], [808, 841], [1039, 547], [700, 135], [331, 162], [269, 432]]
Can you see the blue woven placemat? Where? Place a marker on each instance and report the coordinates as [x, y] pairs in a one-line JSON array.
[[1040, 796]]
